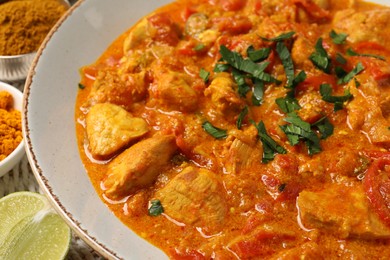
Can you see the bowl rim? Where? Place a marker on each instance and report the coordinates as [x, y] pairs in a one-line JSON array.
[[67, 216], [16, 155]]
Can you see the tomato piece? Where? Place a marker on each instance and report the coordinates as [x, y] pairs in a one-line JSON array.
[[166, 29], [312, 9], [232, 5], [371, 48], [378, 69], [315, 82], [376, 184], [233, 24]]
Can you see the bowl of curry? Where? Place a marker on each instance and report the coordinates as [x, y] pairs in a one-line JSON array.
[[220, 129]]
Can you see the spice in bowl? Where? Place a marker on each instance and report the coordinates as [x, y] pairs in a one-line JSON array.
[[10, 125], [25, 23]]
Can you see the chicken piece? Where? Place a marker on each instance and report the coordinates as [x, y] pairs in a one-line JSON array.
[[111, 128], [138, 166], [157, 27], [301, 50], [364, 111], [243, 151], [222, 91], [195, 197], [363, 26], [341, 210], [173, 92], [122, 90]]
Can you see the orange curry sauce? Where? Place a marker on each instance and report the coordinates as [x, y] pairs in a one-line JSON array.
[[246, 129]]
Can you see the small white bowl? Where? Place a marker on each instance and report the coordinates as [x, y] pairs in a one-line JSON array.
[[12, 159]]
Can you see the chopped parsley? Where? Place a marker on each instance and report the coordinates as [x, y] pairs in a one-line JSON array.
[[215, 132], [326, 93], [285, 57], [81, 86], [281, 187], [221, 67], [299, 130], [155, 209], [351, 52], [357, 83], [239, 78], [258, 55], [199, 47], [241, 117], [204, 74], [349, 76], [320, 57], [340, 72], [338, 38], [258, 92], [270, 146], [246, 65], [282, 37], [340, 59], [324, 127], [288, 104]]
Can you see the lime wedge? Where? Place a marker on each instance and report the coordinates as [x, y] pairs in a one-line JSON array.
[[31, 229]]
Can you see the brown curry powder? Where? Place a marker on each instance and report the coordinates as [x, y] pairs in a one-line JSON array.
[[25, 23], [10, 125]]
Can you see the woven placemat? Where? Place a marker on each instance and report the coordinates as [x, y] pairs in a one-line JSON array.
[[21, 178]]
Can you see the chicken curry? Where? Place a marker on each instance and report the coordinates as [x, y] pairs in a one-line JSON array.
[[246, 129]]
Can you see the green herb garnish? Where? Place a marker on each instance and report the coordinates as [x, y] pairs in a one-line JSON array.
[[320, 57], [340, 59], [355, 71], [258, 55], [215, 132], [288, 104], [351, 52], [81, 86], [221, 67], [270, 146], [246, 65], [340, 72], [199, 47], [258, 92], [283, 36], [324, 127], [287, 62], [241, 117], [357, 83], [326, 93], [155, 208], [239, 78], [204, 74], [338, 38], [299, 130]]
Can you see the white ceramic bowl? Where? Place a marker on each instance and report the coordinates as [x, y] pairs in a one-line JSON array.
[[49, 127], [12, 159]]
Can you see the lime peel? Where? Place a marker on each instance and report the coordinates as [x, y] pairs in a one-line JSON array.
[[31, 229]]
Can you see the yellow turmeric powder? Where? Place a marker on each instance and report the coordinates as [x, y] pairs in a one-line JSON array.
[[10, 125], [25, 23]]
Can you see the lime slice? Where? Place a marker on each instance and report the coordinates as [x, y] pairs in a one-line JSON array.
[[31, 229]]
